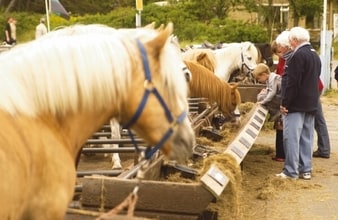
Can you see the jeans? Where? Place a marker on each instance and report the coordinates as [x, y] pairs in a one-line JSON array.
[[323, 140], [298, 141]]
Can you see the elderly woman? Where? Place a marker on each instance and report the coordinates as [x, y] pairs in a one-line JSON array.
[[282, 48]]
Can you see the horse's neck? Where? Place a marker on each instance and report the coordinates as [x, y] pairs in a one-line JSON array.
[[225, 64], [77, 128]]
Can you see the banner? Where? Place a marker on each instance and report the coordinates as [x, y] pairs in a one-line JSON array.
[[57, 8]]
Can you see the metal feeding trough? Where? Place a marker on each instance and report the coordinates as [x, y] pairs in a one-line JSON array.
[[164, 200]]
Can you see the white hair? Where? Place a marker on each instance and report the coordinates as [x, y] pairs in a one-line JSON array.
[[283, 39], [300, 34]]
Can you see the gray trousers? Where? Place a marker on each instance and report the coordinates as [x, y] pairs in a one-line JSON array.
[[323, 140]]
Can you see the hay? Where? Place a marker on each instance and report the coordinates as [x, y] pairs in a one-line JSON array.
[[230, 197], [272, 186]]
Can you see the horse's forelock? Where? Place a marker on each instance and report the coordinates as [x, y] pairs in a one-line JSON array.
[[171, 66]]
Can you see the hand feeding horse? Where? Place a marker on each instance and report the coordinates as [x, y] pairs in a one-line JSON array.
[[56, 92]]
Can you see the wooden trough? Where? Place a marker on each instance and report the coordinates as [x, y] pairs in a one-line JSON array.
[[249, 92], [171, 200]]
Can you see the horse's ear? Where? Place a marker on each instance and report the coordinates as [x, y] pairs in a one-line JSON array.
[[160, 28], [151, 25], [201, 56], [160, 40], [246, 45]]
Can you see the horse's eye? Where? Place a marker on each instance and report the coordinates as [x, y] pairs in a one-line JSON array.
[[250, 58], [187, 73]]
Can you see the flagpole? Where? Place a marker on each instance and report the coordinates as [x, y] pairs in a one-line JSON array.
[[47, 13]]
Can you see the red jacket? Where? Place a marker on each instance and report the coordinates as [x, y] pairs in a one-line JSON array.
[[280, 66]]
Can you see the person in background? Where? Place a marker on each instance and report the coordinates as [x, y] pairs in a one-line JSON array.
[[299, 105], [281, 47], [336, 75], [40, 29], [8, 32], [13, 31], [323, 139]]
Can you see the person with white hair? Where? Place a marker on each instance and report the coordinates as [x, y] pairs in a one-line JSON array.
[[282, 48], [299, 103], [40, 29]]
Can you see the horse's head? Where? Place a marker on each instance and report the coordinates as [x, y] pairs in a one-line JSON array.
[[249, 57], [266, 53], [235, 99], [157, 101]]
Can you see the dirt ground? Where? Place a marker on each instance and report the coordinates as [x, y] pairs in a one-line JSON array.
[[267, 197], [260, 195]]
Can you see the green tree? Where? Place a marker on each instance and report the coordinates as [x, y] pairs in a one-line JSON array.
[[307, 8]]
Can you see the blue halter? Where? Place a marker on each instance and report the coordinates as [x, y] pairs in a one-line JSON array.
[[150, 88]]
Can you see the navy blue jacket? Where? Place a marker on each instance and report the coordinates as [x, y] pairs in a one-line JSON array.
[[300, 81]]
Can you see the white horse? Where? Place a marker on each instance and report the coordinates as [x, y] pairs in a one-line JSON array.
[[224, 62], [235, 56]]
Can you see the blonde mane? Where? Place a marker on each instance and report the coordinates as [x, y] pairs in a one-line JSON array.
[[205, 84], [205, 57], [69, 70]]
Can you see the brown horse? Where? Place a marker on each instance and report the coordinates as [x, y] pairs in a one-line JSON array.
[[205, 57], [205, 84], [56, 92]]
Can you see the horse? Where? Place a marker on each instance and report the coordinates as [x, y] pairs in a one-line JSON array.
[[236, 56], [205, 84], [115, 128], [56, 92], [205, 57], [266, 53]]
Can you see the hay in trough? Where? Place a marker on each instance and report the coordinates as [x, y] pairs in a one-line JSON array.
[[231, 195]]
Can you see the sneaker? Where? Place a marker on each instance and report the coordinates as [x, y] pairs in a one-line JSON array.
[[316, 154], [284, 176], [305, 176]]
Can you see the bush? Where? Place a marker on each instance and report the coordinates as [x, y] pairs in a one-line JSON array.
[[186, 26]]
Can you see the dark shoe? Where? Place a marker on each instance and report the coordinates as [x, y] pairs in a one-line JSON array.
[[278, 159], [316, 154]]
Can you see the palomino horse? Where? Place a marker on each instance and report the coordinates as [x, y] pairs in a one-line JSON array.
[[235, 56], [205, 84], [205, 57], [87, 29], [56, 92]]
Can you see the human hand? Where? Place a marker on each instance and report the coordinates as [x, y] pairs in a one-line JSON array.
[[283, 110]]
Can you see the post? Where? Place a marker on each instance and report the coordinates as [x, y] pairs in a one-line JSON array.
[[139, 8], [47, 5], [138, 19]]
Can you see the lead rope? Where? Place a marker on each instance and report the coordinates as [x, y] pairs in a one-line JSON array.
[[129, 202]]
